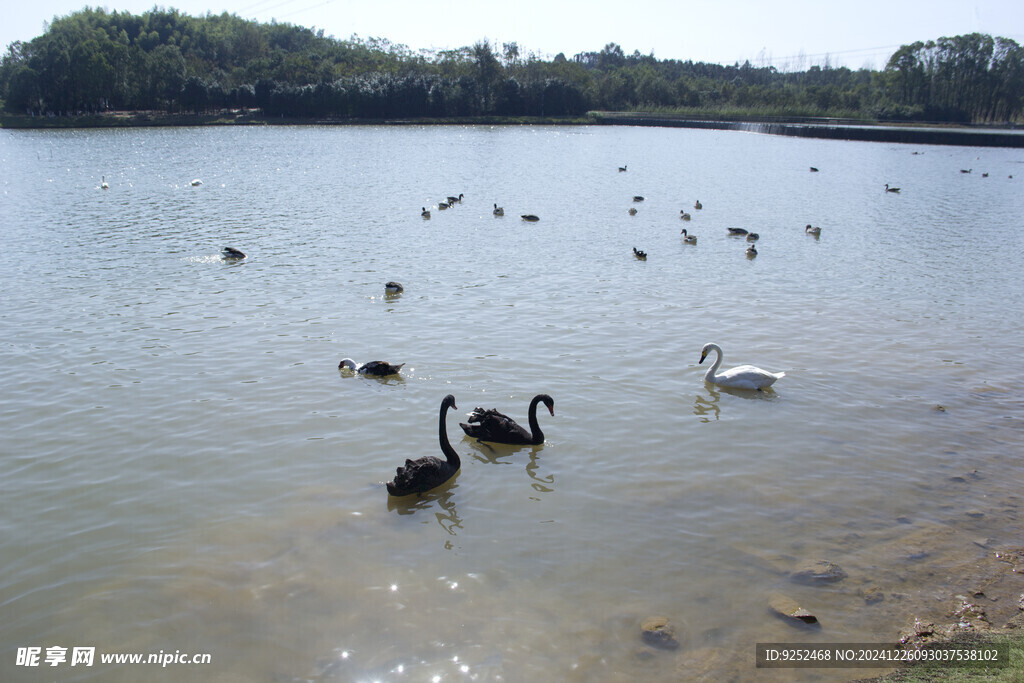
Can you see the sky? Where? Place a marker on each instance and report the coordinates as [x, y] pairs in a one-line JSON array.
[[790, 34]]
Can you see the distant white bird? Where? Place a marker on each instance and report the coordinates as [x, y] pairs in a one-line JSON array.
[[103, 182], [739, 377]]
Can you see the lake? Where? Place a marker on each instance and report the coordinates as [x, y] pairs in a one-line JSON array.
[[184, 469]]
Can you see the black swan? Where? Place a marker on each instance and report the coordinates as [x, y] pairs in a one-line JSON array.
[[622, 169], [490, 425], [231, 252], [419, 476], [891, 189], [375, 368], [452, 200]]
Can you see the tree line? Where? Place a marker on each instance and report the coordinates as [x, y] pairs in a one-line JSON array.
[[98, 61]]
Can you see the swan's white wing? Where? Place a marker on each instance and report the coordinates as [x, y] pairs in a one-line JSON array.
[[747, 377]]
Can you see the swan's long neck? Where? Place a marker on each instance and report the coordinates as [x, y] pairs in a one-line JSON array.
[[710, 374], [450, 453], [536, 434]]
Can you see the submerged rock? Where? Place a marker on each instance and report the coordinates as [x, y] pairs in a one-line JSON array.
[[659, 632], [817, 571], [790, 609]]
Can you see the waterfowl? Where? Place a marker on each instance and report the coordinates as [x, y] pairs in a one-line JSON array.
[[737, 231], [739, 377], [196, 182], [632, 211], [622, 169], [442, 205], [424, 212], [698, 205], [375, 368], [685, 216], [642, 255], [419, 476], [394, 287], [529, 217], [891, 189], [813, 170], [751, 251], [490, 425], [753, 237], [232, 253], [452, 200], [984, 175], [498, 211], [638, 198], [966, 170], [812, 231], [688, 238], [103, 182]]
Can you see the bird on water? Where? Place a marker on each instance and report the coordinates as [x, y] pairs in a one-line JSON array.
[[490, 425], [419, 476]]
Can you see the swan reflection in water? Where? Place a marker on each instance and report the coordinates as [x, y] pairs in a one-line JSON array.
[[496, 454], [448, 516], [708, 408]]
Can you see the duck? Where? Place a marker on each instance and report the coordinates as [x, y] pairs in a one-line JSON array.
[[753, 237], [737, 231], [891, 189], [984, 175], [637, 198], [697, 205], [452, 200], [498, 211], [530, 218], [683, 215], [196, 182], [813, 169], [642, 255], [966, 170], [103, 182], [812, 231], [424, 212], [688, 238], [632, 211], [424, 474], [232, 253], [751, 251], [490, 425], [622, 169], [375, 368], [394, 288], [739, 377], [442, 205]]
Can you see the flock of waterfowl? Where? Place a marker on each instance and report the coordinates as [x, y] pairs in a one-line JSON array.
[[452, 201]]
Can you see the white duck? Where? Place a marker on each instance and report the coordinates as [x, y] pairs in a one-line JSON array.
[[739, 377]]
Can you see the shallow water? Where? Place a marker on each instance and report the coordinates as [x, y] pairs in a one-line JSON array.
[[183, 468]]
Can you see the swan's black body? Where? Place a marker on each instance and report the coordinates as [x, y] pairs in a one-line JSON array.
[[375, 368], [419, 476], [490, 425]]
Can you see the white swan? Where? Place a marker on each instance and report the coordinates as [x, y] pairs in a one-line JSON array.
[[103, 182], [739, 377]]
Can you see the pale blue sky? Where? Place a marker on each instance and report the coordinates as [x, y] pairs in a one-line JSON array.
[[789, 34]]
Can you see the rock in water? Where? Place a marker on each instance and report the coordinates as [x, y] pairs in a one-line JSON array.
[[817, 571], [789, 608], [659, 632]]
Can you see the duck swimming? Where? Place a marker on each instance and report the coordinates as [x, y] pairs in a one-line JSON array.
[[419, 476], [232, 253], [638, 198], [688, 238], [812, 231], [737, 231], [375, 368], [490, 425], [452, 200], [530, 218], [753, 237], [739, 377], [683, 215], [498, 211], [394, 287], [751, 251], [891, 189], [642, 255], [697, 205], [424, 212]]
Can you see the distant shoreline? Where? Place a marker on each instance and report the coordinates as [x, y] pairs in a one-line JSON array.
[[833, 129]]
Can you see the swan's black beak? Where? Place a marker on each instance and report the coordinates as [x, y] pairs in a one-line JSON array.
[[702, 357]]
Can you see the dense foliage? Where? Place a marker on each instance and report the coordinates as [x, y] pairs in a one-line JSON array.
[[94, 61]]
